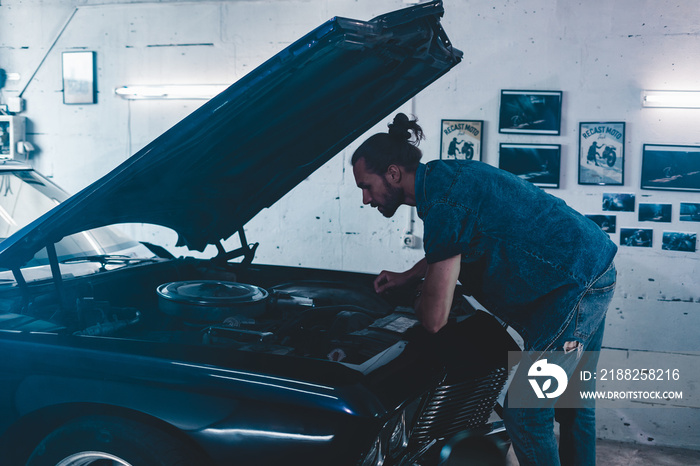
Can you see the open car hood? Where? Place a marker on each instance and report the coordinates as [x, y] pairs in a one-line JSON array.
[[243, 150]]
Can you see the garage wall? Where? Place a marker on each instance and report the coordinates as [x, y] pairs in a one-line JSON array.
[[600, 54]]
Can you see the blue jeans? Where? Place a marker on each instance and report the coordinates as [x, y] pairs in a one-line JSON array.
[[532, 429]]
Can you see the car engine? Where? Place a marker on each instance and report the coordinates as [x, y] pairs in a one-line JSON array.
[[326, 319], [307, 318]]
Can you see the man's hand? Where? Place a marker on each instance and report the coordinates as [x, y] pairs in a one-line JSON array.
[[387, 280]]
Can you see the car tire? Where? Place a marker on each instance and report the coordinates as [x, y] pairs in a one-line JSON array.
[[96, 439]]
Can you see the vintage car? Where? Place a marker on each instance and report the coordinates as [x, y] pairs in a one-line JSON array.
[[117, 352]]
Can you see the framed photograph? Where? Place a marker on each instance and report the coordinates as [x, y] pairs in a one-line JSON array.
[[79, 78], [539, 164], [601, 150], [530, 112], [636, 237], [676, 241], [690, 212], [672, 168], [461, 139], [655, 213], [618, 202], [607, 223]]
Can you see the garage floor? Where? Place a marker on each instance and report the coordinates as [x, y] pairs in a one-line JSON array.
[[611, 453]]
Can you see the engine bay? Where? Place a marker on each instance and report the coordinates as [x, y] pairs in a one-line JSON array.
[[192, 302], [319, 319]]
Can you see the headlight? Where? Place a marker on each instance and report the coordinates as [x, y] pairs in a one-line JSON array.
[[374, 457], [398, 439], [392, 439]]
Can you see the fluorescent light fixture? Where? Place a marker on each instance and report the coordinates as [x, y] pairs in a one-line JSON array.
[[671, 99], [170, 91]]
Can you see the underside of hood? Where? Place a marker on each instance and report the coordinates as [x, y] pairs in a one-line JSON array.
[[243, 150]]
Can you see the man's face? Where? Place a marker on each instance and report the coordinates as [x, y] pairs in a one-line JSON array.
[[377, 191]]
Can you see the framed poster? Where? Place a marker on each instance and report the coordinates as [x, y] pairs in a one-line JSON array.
[[539, 164], [601, 153], [79, 77], [672, 168], [530, 112], [461, 139]]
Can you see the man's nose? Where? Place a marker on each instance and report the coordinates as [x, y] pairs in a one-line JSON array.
[[366, 199]]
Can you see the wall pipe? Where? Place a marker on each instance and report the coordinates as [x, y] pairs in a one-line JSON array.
[[58, 36]]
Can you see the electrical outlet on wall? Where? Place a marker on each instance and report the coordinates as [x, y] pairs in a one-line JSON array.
[[410, 241]]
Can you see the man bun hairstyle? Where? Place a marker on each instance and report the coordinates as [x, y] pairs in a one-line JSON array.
[[401, 128], [399, 146]]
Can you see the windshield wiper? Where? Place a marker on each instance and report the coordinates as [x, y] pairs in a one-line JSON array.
[[105, 259]]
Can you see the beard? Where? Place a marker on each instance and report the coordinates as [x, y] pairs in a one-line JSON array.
[[394, 198]]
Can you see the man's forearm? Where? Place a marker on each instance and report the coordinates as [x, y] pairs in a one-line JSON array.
[[433, 305], [417, 272]]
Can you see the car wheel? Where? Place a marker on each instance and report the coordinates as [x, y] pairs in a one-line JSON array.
[[103, 440]]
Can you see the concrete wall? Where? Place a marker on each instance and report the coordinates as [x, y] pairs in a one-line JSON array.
[[601, 54]]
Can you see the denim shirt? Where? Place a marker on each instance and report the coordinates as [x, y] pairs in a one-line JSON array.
[[526, 255]]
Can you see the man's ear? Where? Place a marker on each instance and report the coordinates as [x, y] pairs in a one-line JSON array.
[[393, 174]]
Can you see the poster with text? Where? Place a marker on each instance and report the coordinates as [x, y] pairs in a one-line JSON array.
[[461, 139], [602, 153]]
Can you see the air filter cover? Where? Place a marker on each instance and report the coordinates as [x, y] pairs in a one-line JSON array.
[[211, 300]]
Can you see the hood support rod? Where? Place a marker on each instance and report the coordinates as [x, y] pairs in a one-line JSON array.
[[246, 250], [23, 288], [56, 272]]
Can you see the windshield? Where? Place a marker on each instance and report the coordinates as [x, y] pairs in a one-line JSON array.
[[97, 242], [24, 197], [84, 253]]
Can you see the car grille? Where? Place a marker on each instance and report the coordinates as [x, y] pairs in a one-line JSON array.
[[457, 405]]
